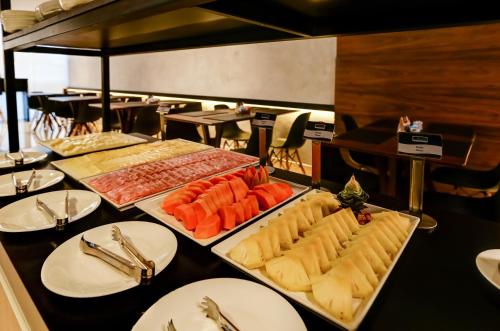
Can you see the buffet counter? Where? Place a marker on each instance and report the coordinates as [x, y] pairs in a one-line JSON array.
[[435, 284]]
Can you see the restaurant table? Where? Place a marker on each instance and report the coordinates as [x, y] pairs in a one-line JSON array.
[[218, 119], [434, 286], [74, 102], [126, 112], [380, 138]]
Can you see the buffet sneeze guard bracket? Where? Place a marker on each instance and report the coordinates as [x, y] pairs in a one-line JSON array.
[[318, 132]]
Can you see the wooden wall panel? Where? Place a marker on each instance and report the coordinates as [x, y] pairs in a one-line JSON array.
[[447, 75]]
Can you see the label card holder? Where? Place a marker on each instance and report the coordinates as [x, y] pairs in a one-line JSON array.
[[420, 144], [319, 131], [264, 120]]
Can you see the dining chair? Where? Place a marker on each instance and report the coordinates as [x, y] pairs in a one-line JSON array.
[[466, 182], [252, 147], [85, 119], [288, 150], [187, 131], [231, 132], [147, 121], [357, 160]]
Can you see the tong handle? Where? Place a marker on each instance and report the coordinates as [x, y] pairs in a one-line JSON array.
[[109, 257]]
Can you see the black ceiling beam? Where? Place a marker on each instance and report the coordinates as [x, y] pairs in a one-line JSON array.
[[391, 16], [268, 14], [244, 35], [63, 51], [100, 12]]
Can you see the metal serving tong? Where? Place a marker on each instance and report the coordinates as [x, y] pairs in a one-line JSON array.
[[129, 248], [17, 161], [60, 221], [18, 183], [213, 312], [141, 269]]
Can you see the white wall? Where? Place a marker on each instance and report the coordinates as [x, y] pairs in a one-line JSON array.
[[45, 72], [296, 71]]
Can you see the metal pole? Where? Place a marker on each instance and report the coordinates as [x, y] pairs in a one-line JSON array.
[[105, 89], [10, 93], [316, 164], [262, 146], [417, 168]]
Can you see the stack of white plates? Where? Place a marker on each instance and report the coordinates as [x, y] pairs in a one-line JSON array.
[[68, 4], [14, 20]]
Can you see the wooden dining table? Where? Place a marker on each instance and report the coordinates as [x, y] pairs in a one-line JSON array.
[[380, 138], [74, 102], [217, 118], [126, 112]]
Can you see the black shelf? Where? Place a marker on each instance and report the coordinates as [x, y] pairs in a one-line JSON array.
[[130, 26]]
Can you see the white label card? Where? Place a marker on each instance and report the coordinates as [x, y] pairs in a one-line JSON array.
[[265, 120], [319, 131], [421, 144]]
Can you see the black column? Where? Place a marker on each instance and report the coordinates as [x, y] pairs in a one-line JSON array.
[[10, 94], [106, 113]]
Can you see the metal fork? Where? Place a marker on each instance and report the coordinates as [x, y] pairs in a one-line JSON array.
[[129, 248], [213, 311]]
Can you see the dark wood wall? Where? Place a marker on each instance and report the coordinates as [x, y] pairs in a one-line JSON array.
[[447, 75]]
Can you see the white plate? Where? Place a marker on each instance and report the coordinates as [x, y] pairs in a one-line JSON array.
[[223, 248], [488, 264], [43, 179], [23, 216], [69, 272], [29, 157], [249, 305], [152, 207]]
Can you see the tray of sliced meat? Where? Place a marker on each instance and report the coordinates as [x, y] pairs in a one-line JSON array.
[[123, 188]]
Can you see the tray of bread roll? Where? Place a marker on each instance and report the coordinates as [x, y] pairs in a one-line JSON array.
[[330, 253]]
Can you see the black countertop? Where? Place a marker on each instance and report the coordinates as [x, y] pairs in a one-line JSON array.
[[435, 284]]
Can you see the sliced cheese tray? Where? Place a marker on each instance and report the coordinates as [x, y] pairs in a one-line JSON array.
[[94, 142], [230, 197], [102, 162], [122, 188], [318, 254]]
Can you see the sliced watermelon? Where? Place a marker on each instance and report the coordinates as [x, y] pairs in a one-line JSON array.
[[206, 184], [247, 208], [239, 188], [240, 212], [209, 202], [228, 217], [266, 200], [201, 209], [277, 192], [230, 176], [169, 205], [195, 189], [186, 214], [239, 173], [208, 227], [217, 180], [286, 188], [254, 204]]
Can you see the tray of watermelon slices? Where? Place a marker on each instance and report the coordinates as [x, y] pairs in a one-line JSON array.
[[210, 209]]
